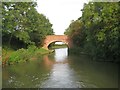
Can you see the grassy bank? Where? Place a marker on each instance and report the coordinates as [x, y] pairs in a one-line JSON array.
[[58, 46], [10, 56]]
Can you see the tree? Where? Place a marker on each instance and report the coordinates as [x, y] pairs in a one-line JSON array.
[[100, 30], [22, 23]]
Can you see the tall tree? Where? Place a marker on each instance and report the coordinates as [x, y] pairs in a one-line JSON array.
[[22, 23], [100, 29]]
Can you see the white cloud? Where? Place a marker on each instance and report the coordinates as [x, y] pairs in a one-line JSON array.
[[60, 12]]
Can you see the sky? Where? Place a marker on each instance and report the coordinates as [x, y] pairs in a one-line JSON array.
[[61, 12]]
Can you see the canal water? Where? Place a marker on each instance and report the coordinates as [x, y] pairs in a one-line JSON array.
[[60, 70]]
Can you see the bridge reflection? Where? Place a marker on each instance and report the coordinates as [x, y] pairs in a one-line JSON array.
[[47, 61]]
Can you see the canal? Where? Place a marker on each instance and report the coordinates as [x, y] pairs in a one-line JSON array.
[[60, 70]]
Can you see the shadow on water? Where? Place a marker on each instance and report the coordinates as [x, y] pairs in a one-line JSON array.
[[92, 74], [58, 70], [26, 75]]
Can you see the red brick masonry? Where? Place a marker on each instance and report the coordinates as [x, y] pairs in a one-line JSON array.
[[57, 38]]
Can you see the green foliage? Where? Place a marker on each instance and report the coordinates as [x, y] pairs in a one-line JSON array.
[[18, 56], [99, 30], [23, 23], [23, 55], [23, 28], [58, 46]]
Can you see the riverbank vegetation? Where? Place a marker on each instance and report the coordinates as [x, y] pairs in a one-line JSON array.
[[23, 31], [97, 31], [58, 46], [23, 55]]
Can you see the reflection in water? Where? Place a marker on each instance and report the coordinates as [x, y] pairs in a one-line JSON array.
[[93, 73], [61, 54], [58, 70], [47, 62], [61, 77], [61, 73]]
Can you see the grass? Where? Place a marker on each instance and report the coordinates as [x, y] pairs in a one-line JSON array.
[[58, 46], [22, 55]]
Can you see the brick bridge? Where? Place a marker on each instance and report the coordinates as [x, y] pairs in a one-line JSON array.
[[57, 38]]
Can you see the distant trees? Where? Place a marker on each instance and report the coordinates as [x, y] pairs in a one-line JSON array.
[[98, 30], [22, 25]]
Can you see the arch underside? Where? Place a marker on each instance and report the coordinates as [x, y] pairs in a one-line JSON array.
[[47, 44], [65, 42], [56, 38]]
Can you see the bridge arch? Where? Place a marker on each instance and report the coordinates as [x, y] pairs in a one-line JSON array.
[[56, 38]]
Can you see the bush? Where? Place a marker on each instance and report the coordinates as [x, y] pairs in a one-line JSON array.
[[23, 55]]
